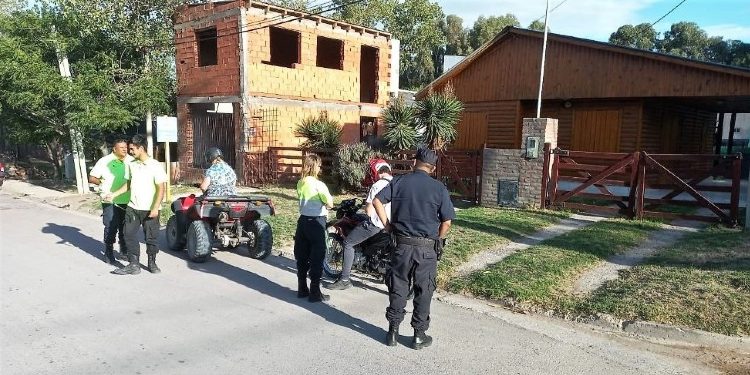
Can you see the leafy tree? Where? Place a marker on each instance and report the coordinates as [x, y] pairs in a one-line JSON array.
[[537, 25], [456, 36], [400, 126], [641, 36], [416, 23], [319, 132], [686, 39], [486, 28], [10, 6], [373, 13], [437, 116]]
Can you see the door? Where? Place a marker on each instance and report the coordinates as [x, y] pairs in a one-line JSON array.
[[596, 130]]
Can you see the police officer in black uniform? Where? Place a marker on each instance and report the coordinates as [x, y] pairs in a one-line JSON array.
[[421, 214]]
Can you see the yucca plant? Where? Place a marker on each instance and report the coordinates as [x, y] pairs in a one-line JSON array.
[[319, 132], [437, 116], [400, 124]]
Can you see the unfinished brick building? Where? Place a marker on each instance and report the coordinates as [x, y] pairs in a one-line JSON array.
[[249, 72]]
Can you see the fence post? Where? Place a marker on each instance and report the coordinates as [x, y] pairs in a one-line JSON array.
[[545, 174], [633, 184], [555, 176], [734, 209], [640, 186]]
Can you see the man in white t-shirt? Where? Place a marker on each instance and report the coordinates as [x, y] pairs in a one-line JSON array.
[[109, 173], [367, 228], [147, 184]]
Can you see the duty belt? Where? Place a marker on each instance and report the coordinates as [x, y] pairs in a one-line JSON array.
[[415, 241]]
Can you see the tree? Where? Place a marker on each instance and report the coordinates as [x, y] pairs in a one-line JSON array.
[[641, 36], [537, 25], [456, 36], [437, 116], [373, 13], [400, 126], [416, 23], [10, 6], [486, 28], [686, 39]]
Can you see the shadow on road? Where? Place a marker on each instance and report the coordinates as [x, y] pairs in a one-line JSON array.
[[74, 237], [265, 286]]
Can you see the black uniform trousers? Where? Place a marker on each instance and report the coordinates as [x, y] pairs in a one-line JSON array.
[[310, 247], [113, 217], [419, 263], [134, 220]]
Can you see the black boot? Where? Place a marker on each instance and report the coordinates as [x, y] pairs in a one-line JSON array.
[[315, 294], [123, 254], [133, 268], [152, 267], [302, 290], [421, 340], [109, 254], [391, 339]]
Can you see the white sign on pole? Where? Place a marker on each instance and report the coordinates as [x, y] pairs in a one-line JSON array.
[[166, 129]]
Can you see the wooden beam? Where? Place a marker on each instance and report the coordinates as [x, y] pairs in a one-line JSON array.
[[719, 134], [732, 123]]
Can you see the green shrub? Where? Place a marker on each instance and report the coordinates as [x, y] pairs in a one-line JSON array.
[[400, 123], [352, 165], [319, 132]]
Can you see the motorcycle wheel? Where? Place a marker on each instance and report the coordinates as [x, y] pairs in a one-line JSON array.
[[198, 241], [175, 234], [334, 259]]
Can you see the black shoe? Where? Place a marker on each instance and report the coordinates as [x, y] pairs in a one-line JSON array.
[[302, 290], [122, 255], [133, 268], [340, 284], [109, 255], [421, 340], [391, 339], [152, 267], [316, 295]]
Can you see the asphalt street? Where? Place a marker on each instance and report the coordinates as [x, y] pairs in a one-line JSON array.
[[64, 313]]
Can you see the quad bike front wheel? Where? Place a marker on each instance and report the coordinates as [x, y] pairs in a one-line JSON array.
[[333, 263], [198, 241], [175, 234], [261, 243]]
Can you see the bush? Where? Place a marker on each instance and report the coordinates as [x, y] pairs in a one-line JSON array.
[[437, 116], [351, 165], [400, 123], [320, 132]]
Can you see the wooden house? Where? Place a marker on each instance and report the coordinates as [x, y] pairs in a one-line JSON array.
[[607, 98]]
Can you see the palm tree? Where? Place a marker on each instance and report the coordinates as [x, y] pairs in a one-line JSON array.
[[437, 116], [400, 123]]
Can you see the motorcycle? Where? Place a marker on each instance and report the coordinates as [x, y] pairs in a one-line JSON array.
[[371, 256]]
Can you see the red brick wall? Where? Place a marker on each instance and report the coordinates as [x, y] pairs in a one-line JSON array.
[[222, 79]]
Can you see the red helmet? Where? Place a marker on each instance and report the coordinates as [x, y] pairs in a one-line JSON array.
[[375, 165]]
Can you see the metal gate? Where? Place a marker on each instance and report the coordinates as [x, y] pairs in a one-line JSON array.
[[213, 130]]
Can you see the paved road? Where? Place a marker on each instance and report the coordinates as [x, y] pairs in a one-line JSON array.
[[64, 313]]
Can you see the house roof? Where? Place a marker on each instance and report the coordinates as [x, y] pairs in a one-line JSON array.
[[510, 31]]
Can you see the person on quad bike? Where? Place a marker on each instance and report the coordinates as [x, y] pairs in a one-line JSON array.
[[219, 179], [380, 172]]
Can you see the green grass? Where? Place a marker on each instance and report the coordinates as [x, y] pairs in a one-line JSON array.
[[542, 275], [477, 229], [702, 282]]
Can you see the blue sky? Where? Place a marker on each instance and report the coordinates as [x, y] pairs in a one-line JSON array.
[[597, 19]]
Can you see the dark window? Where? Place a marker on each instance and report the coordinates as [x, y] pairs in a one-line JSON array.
[[207, 52], [368, 129], [285, 45], [368, 75], [330, 53]]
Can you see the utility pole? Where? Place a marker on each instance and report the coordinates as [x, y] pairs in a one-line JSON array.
[[149, 123], [76, 138], [544, 57]]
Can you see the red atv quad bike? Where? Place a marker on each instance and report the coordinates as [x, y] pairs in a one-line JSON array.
[[200, 222]]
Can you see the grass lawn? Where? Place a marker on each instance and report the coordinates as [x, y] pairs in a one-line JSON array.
[[701, 282], [475, 229], [542, 275]]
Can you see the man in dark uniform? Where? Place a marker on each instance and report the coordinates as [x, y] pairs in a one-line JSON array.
[[421, 214]]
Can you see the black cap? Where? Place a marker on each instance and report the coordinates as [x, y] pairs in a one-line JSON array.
[[426, 155]]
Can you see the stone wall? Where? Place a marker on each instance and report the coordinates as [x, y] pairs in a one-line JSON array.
[[509, 177]]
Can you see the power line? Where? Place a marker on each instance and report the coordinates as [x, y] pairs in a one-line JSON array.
[[552, 10], [281, 21], [668, 13]]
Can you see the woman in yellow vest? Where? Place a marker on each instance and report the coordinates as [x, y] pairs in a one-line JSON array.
[[310, 237]]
